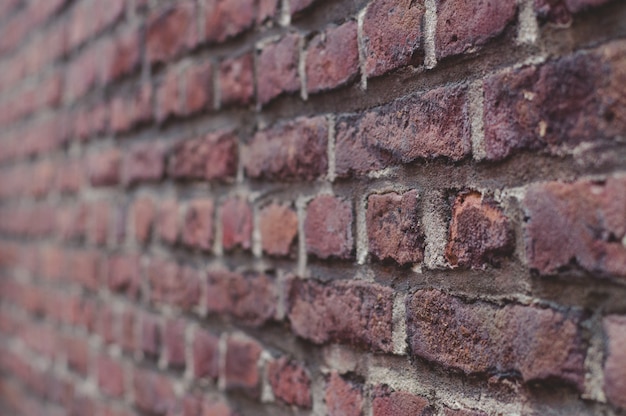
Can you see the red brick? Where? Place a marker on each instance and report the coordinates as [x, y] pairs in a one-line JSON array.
[[77, 354], [131, 110], [481, 338], [236, 80], [560, 12], [123, 57], [393, 227], [106, 322], [174, 343], [174, 285], [464, 25], [236, 215], [242, 372], [227, 18], [99, 222], [128, 335], [84, 267], [104, 167], [144, 162], [558, 105], [70, 177], [250, 298], [153, 393], [392, 31], [167, 221], [428, 126], [295, 150], [332, 58], [143, 213], [387, 402], [198, 87], [581, 224], [328, 228], [151, 336], [205, 349], [170, 31], [197, 228], [349, 312], [124, 274], [479, 233], [110, 377], [169, 100], [213, 157], [342, 397], [290, 382], [277, 68], [615, 364], [108, 14], [278, 225]]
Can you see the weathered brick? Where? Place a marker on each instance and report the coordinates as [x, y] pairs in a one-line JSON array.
[[249, 297], [577, 224], [153, 393], [78, 354], [427, 126], [124, 274], [173, 284], [560, 12], [104, 167], [266, 9], [277, 68], [128, 335], [332, 58], [615, 364], [393, 227], [328, 228], [236, 80], [387, 402], [290, 382], [169, 100], [151, 336], [84, 267], [213, 157], [111, 380], [174, 343], [242, 372], [463, 412], [198, 87], [167, 221], [463, 26], [342, 397], [299, 5], [170, 31], [143, 213], [144, 162], [482, 338], [351, 312], [123, 56], [479, 233], [236, 215], [197, 228], [278, 225], [295, 150], [558, 105], [392, 31], [205, 349], [227, 18]]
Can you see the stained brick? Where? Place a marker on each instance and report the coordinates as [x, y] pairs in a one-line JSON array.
[[242, 372], [152, 392], [393, 227], [236, 80], [170, 31], [352, 312], [342, 397], [169, 100], [478, 338], [143, 213], [144, 162], [428, 126], [577, 224], [173, 284], [387, 402], [197, 228], [227, 18], [205, 354], [480, 233], [198, 87], [124, 274], [392, 31], [328, 228], [336, 51], [295, 150], [277, 68], [104, 167], [174, 343]]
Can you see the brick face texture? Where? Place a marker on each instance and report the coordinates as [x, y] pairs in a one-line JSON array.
[[312, 207]]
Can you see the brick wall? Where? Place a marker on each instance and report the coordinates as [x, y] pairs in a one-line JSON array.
[[312, 207]]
